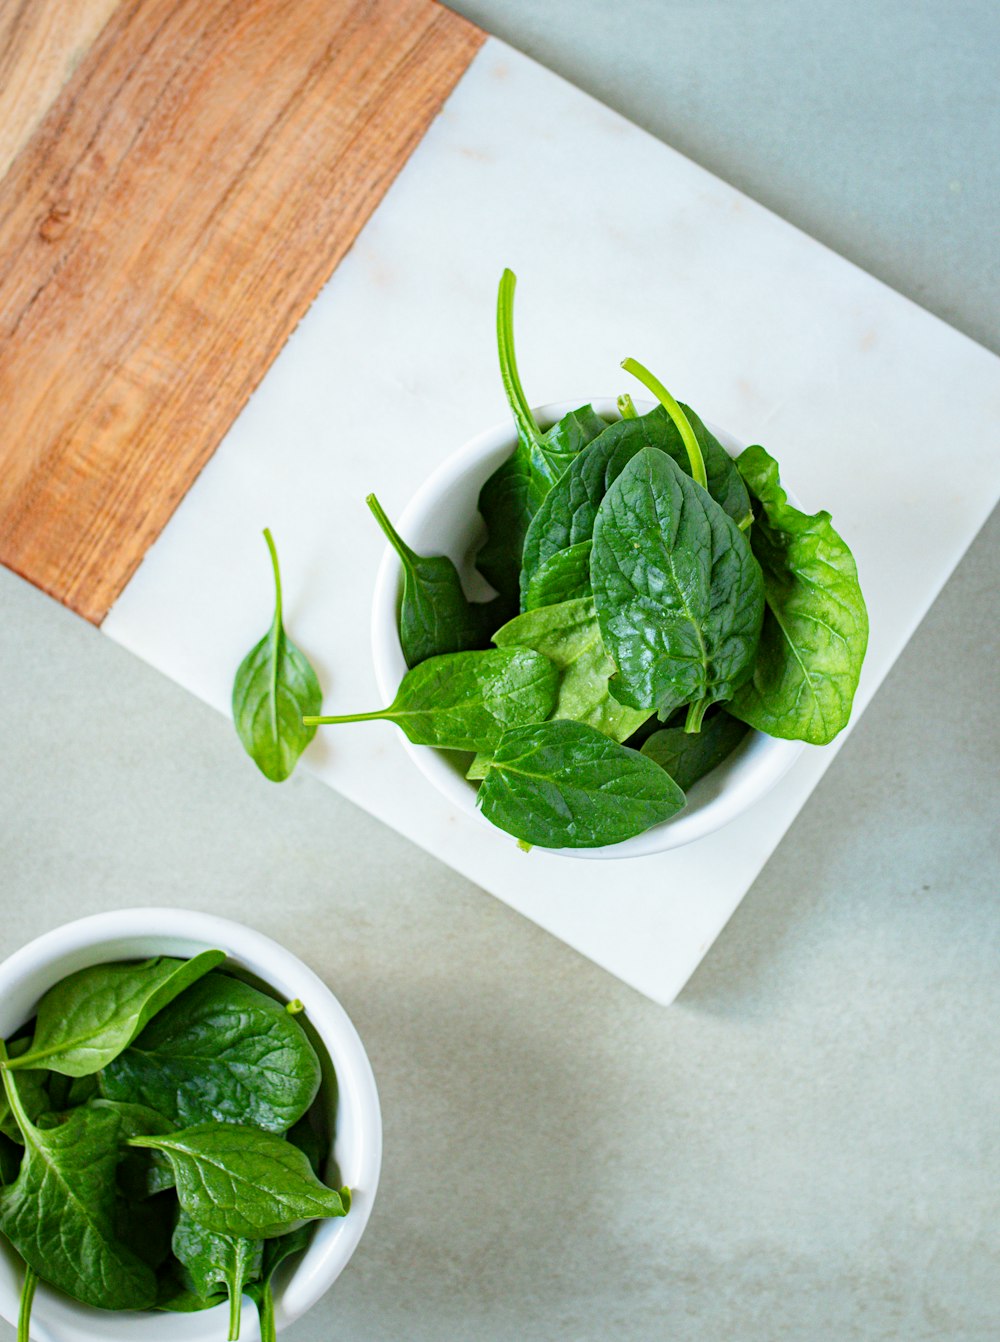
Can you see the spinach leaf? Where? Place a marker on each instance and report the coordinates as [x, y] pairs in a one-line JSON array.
[[435, 615], [222, 1051], [240, 1181], [88, 1018], [563, 577], [275, 687], [60, 1212], [141, 1174], [565, 785], [512, 494], [815, 630], [688, 756], [679, 596], [176, 1293], [34, 1096], [569, 636], [466, 700], [214, 1260]]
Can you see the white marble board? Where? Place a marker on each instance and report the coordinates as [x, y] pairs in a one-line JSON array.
[[875, 409]]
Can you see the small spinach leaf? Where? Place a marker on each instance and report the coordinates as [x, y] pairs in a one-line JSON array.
[[222, 1051], [688, 756], [275, 687], [679, 596], [435, 615], [240, 1181], [214, 1260], [563, 577], [60, 1213], [815, 630], [565, 785], [569, 635], [89, 1017], [466, 700]]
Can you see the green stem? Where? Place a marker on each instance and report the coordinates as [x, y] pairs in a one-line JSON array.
[[13, 1098], [695, 713], [27, 1298], [516, 399], [625, 407], [684, 428], [344, 717], [406, 555], [277, 576], [235, 1310], [265, 1308]]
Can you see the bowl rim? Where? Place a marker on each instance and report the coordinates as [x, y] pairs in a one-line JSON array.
[[357, 1147], [774, 757]]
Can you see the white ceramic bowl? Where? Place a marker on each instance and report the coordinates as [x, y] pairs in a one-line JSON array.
[[137, 934], [442, 518]]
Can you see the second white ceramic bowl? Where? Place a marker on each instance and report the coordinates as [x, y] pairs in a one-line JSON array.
[[138, 934], [443, 518]]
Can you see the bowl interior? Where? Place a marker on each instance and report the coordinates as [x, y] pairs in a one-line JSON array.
[[443, 518], [350, 1095]]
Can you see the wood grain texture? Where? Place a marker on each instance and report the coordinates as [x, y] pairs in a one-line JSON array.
[[164, 229]]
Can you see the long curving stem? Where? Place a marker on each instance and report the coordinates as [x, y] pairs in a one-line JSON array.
[[518, 402], [27, 1299], [346, 717], [684, 428], [406, 555], [277, 575]]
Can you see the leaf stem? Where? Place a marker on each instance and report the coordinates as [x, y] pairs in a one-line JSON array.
[[406, 555], [516, 398], [345, 717], [235, 1310], [695, 713], [27, 1299], [13, 1098], [265, 1309], [277, 575], [626, 408], [681, 420]]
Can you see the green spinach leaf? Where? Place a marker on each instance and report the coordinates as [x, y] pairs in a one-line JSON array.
[[679, 596], [240, 1181], [141, 1174], [435, 615], [565, 785], [275, 687], [510, 497], [466, 700], [88, 1018], [815, 630], [563, 577], [34, 1096], [60, 1213], [222, 1051], [569, 636], [688, 756], [214, 1260]]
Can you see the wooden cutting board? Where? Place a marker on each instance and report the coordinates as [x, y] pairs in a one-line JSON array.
[[178, 179]]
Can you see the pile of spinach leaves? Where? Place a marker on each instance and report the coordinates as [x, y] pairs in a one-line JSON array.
[[655, 599], [161, 1145]]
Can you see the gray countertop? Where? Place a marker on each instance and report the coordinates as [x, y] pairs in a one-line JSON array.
[[806, 1145]]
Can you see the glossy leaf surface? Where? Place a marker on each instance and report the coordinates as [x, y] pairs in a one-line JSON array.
[[815, 632], [564, 576], [565, 785], [688, 756]]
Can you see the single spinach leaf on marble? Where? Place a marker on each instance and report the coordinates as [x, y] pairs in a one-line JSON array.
[[241, 1181], [466, 700], [60, 1213], [688, 756], [213, 1260], [89, 1017], [275, 688], [563, 577], [222, 1051], [435, 615], [679, 596], [815, 632], [512, 494], [565, 785], [569, 636], [34, 1094]]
